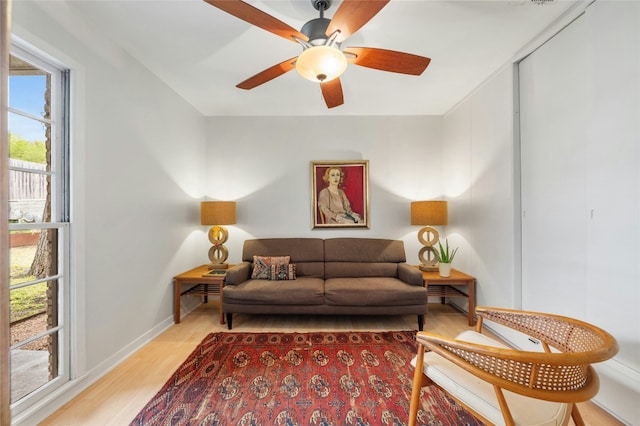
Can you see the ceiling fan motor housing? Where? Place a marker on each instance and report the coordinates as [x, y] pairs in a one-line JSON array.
[[316, 31]]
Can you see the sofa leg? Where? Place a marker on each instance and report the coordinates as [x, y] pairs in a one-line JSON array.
[[229, 320], [420, 322]]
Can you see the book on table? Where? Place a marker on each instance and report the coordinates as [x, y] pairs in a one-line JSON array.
[[215, 272]]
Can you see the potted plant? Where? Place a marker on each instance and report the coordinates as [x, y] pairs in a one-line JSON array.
[[444, 256]]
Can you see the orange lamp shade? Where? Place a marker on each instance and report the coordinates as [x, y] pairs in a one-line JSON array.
[[217, 212], [429, 213]]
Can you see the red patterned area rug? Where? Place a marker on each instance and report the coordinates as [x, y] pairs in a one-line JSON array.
[[323, 378]]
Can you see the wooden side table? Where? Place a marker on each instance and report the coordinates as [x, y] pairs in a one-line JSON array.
[[446, 287], [209, 285]]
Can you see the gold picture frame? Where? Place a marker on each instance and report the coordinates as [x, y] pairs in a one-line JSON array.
[[340, 194]]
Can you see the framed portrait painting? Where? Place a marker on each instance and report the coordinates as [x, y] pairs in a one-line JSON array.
[[340, 194]]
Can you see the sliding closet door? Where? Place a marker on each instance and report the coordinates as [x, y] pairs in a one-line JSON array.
[[554, 107], [580, 161]]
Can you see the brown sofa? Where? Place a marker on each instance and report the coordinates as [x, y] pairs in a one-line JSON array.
[[350, 276]]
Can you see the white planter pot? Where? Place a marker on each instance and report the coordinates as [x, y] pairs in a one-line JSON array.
[[444, 269]]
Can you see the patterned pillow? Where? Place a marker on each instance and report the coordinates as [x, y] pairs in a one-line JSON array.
[[262, 266], [283, 272]]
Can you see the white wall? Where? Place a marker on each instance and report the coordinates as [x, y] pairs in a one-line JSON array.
[[137, 172], [264, 164], [478, 182]]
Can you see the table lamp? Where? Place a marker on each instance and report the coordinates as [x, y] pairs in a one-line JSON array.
[[216, 214], [428, 214]]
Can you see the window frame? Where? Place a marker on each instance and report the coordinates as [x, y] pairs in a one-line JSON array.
[[60, 197]]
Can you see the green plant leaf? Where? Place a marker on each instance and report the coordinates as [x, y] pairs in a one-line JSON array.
[[444, 254]]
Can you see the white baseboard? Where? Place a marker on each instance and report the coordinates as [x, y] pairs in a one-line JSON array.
[[619, 391]]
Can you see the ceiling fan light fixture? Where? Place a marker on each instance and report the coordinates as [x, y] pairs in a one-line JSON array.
[[321, 63]]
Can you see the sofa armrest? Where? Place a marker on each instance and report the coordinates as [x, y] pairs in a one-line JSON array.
[[410, 274], [238, 274]]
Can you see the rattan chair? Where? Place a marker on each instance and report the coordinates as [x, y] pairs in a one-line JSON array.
[[501, 385]]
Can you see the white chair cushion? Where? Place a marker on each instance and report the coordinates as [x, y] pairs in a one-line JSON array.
[[480, 396]]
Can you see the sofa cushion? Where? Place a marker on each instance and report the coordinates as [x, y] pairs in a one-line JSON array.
[[360, 269], [301, 291], [283, 272], [378, 291], [367, 250], [262, 265], [306, 253]]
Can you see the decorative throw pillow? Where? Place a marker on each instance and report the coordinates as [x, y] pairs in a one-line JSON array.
[[262, 266], [283, 272]]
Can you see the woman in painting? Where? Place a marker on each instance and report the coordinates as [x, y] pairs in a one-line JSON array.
[[333, 203]]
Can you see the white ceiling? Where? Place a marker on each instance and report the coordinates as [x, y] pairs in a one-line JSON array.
[[202, 52]]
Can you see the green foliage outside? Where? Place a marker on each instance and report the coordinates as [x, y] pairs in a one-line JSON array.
[[25, 301], [31, 300], [28, 301], [21, 149]]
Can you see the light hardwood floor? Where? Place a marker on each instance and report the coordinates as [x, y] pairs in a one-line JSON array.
[[121, 394]]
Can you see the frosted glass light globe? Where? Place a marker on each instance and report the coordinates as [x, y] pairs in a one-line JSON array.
[[321, 63]]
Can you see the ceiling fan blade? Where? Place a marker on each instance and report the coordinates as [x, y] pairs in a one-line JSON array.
[[257, 17], [352, 15], [332, 93], [268, 74], [388, 60]]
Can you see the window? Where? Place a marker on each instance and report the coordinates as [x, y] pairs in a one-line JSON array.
[[38, 227]]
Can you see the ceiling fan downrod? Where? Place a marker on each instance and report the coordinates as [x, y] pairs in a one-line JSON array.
[[321, 5]]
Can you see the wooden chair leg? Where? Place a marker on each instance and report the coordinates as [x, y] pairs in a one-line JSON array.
[[506, 413], [416, 387], [576, 416]]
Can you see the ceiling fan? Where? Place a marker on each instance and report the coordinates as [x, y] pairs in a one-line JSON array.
[[323, 59]]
